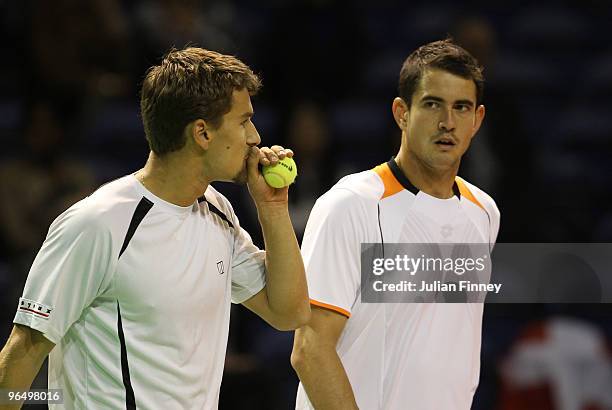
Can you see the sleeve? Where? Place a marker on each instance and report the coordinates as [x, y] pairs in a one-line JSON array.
[[493, 213], [331, 249], [73, 266], [495, 220], [248, 267], [490, 207]]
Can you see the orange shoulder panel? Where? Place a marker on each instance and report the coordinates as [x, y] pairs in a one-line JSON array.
[[463, 189], [392, 185]]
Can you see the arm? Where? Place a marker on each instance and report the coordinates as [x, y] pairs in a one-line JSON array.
[[316, 362], [283, 303], [21, 358]]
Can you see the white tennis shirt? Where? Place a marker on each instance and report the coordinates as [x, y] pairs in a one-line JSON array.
[[397, 356], [135, 292]]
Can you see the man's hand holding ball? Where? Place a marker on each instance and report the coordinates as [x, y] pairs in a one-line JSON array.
[[278, 171], [281, 174]]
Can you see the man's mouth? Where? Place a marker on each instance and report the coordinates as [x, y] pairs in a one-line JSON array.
[[248, 153], [447, 141]]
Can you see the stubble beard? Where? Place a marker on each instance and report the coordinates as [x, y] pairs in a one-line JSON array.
[[241, 177], [431, 163]]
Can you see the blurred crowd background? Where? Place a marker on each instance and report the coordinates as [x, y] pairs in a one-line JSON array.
[[69, 121]]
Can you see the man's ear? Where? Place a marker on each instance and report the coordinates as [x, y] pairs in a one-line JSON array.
[[400, 112], [480, 114], [199, 131]]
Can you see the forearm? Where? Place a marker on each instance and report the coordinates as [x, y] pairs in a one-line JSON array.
[[13, 377], [324, 379], [21, 358], [286, 287]]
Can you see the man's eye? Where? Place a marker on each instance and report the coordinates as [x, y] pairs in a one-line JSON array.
[[432, 104], [463, 108]]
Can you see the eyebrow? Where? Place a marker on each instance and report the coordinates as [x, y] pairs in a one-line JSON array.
[[439, 99], [247, 114]]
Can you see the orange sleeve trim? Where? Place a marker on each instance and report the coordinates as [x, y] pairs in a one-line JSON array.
[[330, 307], [465, 192], [391, 184]]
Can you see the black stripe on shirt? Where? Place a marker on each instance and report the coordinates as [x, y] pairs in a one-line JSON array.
[[382, 238], [130, 399], [402, 179], [216, 211], [456, 189], [143, 207]]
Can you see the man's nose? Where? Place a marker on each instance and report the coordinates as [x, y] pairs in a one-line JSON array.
[[253, 138], [447, 120]]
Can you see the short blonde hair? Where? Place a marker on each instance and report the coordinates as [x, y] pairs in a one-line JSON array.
[[187, 85]]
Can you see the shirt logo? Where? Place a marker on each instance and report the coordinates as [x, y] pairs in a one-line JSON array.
[[30, 307], [220, 268], [446, 231]]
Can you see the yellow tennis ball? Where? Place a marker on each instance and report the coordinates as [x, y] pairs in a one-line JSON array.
[[281, 174]]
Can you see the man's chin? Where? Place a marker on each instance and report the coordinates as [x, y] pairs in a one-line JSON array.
[[241, 178], [444, 159]]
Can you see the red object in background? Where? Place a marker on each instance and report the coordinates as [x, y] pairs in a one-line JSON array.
[[557, 364]]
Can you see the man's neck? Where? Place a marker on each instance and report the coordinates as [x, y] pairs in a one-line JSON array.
[[433, 182], [174, 179]]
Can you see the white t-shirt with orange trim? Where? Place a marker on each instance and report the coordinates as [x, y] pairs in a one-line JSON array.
[[397, 356]]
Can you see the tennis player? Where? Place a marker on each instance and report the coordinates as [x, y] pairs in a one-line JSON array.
[[131, 290], [392, 356]]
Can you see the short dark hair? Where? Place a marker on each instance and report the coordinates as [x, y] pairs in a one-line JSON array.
[[444, 55], [187, 85]]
